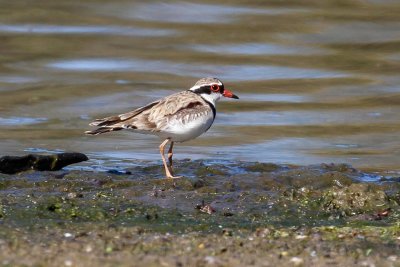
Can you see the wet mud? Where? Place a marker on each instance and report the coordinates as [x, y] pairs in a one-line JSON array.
[[219, 214]]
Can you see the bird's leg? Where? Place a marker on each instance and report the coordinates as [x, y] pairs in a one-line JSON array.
[[167, 172], [170, 154], [166, 167]]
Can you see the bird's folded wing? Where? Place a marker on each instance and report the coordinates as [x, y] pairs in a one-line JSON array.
[[172, 104], [155, 116], [122, 117]]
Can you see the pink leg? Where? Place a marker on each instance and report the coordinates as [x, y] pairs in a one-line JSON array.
[[168, 171]]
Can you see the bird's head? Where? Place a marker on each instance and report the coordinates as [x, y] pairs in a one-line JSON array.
[[211, 89]]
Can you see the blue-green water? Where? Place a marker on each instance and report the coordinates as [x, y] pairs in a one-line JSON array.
[[318, 80]]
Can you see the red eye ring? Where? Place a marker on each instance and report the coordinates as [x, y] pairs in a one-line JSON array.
[[215, 87]]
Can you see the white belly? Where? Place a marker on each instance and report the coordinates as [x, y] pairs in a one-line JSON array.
[[186, 128]]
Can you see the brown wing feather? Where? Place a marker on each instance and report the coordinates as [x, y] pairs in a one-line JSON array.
[[108, 121], [149, 117], [172, 104]]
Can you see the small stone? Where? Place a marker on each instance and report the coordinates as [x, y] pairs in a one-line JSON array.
[[211, 260], [367, 264], [68, 235], [227, 232], [284, 254], [284, 234], [72, 195], [297, 261], [68, 263], [301, 236], [109, 249]]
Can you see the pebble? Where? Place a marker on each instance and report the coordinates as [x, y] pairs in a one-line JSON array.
[[283, 234], [72, 195], [367, 264], [68, 235], [68, 263], [284, 253], [212, 260], [301, 236], [297, 261]]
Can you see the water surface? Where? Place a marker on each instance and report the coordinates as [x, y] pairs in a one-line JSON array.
[[318, 82]]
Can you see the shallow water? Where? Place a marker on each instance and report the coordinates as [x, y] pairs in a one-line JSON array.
[[318, 80]]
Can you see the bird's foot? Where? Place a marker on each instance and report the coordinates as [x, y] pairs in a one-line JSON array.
[[169, 173], [173, 177]]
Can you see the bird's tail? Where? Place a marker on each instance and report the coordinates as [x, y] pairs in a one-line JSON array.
[[102, 130]]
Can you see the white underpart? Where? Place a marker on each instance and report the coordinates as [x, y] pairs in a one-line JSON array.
[[186, 128]]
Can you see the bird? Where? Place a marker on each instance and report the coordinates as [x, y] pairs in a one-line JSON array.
[[176, 118]]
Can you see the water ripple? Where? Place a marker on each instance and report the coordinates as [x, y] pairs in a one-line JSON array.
[[11, 121], [18, 79], [273, 98], [87, 29], [255, 49], [227, 72], [183, 12]]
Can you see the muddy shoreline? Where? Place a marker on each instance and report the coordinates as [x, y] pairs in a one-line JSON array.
[[220, 214]]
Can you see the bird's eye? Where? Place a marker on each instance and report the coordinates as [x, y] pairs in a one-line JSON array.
[[215, 87]]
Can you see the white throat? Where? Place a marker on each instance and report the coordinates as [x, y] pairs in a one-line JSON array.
[[212, 98]]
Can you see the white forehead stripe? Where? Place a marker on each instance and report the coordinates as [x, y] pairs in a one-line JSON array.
[[204, 84]]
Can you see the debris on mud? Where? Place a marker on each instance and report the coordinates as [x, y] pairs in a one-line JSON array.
[[205, 208]]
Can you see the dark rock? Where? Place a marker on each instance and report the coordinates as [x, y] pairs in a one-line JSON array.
[[13, 164], [117, 172], [199, 183]]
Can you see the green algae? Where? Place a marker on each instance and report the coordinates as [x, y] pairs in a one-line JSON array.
[[317, 206], [355, 199], [262, 167]]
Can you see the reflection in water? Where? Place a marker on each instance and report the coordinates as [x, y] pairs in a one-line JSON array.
[[355, 32], [318, 82], [273, 98], [317, 117], [184, 12], [233, 73], [255, 49], [102, 30], [18, 79], [16, 121]]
